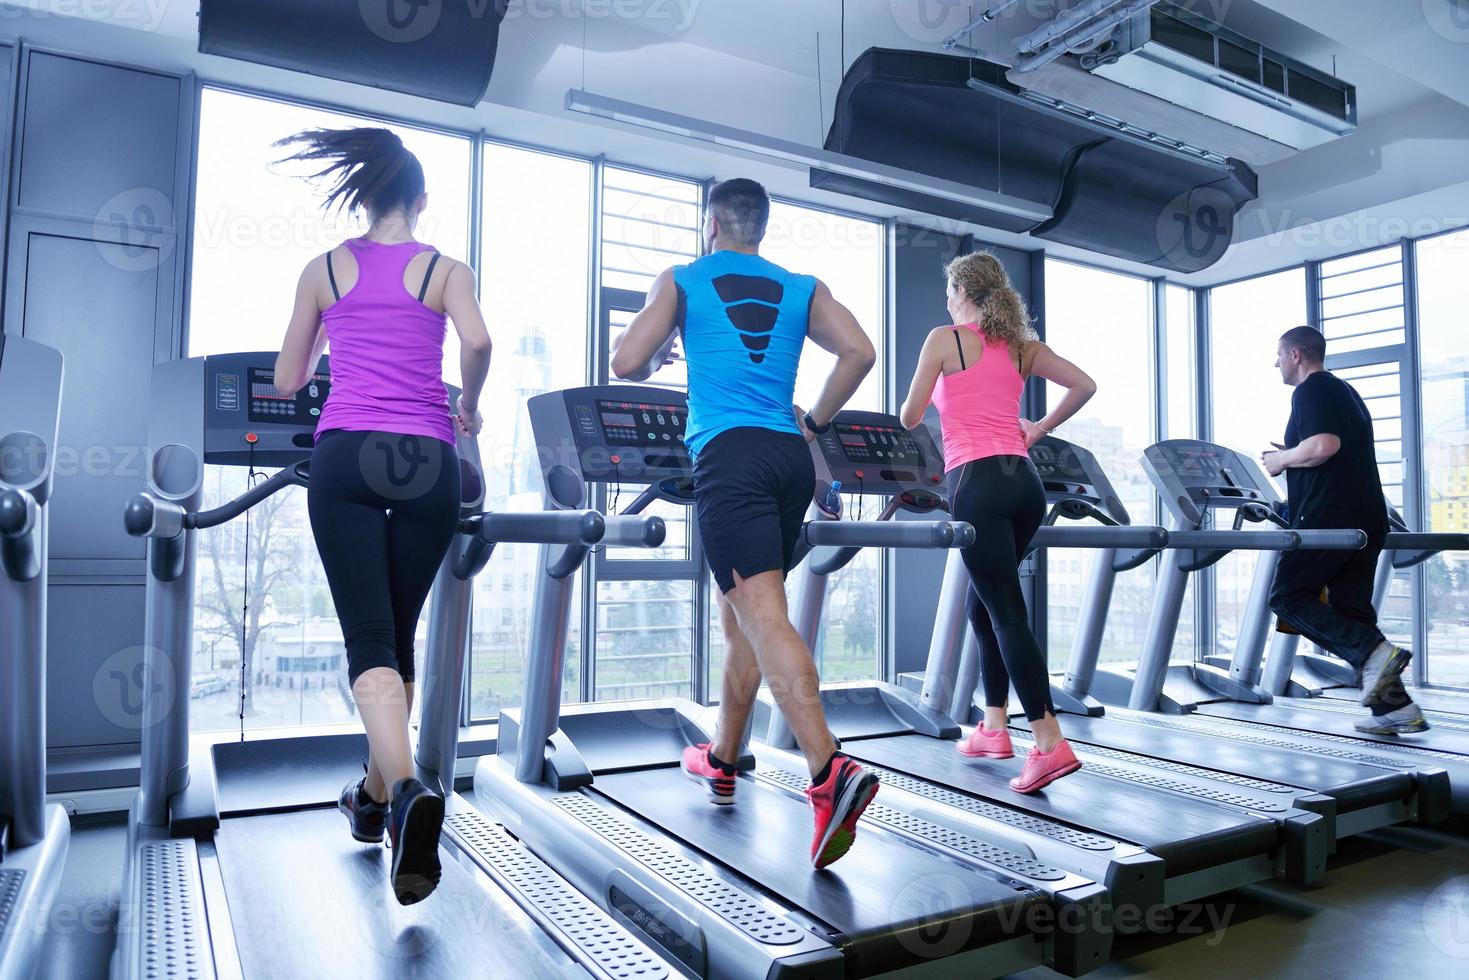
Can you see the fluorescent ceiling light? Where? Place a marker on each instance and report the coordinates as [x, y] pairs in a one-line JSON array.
[[788, 152]]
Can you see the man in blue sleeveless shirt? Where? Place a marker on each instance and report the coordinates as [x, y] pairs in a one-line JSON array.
[[744, 322]]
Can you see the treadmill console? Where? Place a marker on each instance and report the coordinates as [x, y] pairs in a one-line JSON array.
[[609, 434], [871, 452], [1195, 477], [247, 420], [1071, 473]]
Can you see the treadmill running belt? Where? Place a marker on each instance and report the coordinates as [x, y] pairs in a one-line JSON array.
[[309, 901], [1186, 833], [1353, 785], [1287, 713], [887, 893]]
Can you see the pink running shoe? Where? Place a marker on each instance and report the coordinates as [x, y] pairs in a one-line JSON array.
[[983, 743], [1043, 768], [719, 784]]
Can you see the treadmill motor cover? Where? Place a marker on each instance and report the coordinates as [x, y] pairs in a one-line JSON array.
[[959, 119], [440, 51]]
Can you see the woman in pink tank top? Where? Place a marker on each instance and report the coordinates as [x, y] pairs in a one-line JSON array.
[[385, 493], [974, 373]]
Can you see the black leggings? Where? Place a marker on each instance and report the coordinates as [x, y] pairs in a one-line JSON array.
[[384, 508], [1003, 498]]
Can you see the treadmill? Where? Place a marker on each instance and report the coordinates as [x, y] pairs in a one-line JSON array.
[[597, 790], [33, 836], [1199, 481], [1352, 795], [238, 863], [1192, 845]]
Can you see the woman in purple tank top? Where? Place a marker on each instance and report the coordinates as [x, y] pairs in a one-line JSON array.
[[974, 373], [384, 495]]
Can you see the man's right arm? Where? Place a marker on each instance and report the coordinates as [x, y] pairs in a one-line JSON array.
[[835, 330]]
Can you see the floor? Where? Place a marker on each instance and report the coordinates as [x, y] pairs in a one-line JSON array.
[[1394, 903]]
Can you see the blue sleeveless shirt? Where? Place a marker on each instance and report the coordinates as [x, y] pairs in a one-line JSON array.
[[744, 322]]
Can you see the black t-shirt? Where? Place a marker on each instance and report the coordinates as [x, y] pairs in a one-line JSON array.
[[1346, 490]]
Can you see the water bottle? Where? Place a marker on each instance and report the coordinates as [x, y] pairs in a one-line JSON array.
[[832, 501]]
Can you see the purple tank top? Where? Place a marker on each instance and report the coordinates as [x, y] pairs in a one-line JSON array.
[[387, 351]]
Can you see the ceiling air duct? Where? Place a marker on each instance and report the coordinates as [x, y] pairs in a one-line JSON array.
[[1113, 188], [440, 51]]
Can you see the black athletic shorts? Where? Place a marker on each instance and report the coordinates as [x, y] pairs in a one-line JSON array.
[[751, 490]]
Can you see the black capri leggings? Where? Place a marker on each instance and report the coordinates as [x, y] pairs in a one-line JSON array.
[[1003, 498], [384, 508]]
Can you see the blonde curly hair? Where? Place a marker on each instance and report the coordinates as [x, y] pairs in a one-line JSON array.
[[982, 280]]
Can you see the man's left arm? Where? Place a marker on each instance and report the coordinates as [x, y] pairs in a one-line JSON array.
[[1317, 422]]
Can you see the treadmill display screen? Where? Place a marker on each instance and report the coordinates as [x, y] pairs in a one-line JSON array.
[[641, 424], [1203, 465], [269, 405], [879, 443], [1057, 463]]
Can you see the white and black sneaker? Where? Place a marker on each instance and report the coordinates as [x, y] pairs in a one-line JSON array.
[[1383, 672], [414, 823], [1400, 721]]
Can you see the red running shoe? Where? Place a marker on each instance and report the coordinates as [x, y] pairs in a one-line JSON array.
[[985, 744], [1043, 768], [837, 805], [718, 783]]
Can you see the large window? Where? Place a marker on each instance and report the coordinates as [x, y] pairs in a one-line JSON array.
[[255, 227], [1443, 296], [1103, 322], [1250, 404], [535, 243]]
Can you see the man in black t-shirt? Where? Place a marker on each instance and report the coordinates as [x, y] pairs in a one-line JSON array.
[[1330, 464]]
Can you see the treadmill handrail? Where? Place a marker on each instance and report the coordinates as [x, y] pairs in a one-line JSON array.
[[1145, 536], [1332, 540], [850, 537], [20, 547], [1211, 540], [1415, 547]]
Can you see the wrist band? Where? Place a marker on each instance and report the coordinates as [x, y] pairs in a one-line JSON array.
[[818, 429]]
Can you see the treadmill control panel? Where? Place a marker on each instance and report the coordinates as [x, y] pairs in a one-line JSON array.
[[1195, 477], [611, 434], [1069, 472], [267, 404], [246, 420], [871, 452]]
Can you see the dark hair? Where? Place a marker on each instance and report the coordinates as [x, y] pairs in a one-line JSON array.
[[742, 208], [1308, 340], [370, 167]]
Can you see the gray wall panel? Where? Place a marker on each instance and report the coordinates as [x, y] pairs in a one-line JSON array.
[[93, 695], [97, 139], [97, 303]]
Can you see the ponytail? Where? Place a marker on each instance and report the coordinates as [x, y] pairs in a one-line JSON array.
[[369, 167]]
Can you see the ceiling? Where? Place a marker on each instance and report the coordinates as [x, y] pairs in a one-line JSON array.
[[754, 64]]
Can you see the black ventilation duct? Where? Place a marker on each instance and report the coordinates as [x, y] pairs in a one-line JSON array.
[[430, 48], [958, 119]]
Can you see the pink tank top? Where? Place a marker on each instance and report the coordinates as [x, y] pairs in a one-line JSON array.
[[979, 407], [387, 351]]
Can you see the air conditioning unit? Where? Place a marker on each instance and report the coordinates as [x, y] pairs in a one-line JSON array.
[[1170, 53]]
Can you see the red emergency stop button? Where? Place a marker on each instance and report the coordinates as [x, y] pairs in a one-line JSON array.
[[251, 438], [616, 459]]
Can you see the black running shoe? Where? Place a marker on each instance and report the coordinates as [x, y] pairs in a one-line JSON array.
[[365, 816], [413, 830]]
